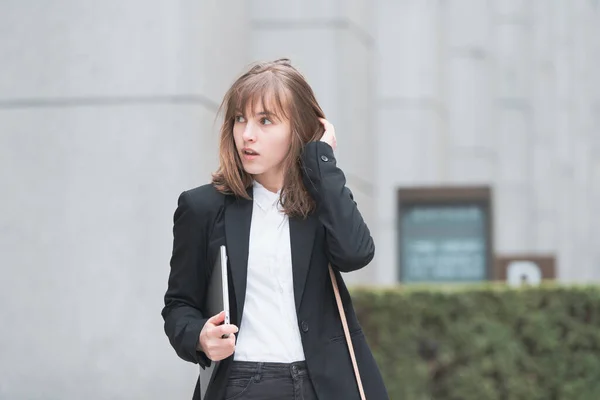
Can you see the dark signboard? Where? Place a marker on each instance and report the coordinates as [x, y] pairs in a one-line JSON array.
[[444, 236]]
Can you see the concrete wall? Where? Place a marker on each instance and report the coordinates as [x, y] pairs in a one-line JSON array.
[[106, 115], [500, 93]]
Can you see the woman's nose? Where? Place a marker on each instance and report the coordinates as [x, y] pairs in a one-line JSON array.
[[249, 134]]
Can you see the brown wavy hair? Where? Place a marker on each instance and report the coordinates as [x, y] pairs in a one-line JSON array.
[[281, 89]]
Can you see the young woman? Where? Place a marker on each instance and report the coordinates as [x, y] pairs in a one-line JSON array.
[[280, 205]]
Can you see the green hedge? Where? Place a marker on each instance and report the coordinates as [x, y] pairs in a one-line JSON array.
[[485, 343]]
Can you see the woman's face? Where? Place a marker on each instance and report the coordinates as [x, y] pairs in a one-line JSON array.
[[262, 140]]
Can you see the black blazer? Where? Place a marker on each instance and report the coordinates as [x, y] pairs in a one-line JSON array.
[[335, 233]]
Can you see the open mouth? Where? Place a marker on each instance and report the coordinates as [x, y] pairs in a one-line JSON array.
[[249, 152]]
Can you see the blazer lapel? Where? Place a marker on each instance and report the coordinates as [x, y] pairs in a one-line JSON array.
[[238, 216], [302, 237]]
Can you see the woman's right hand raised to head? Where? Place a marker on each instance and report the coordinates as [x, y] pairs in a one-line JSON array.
[[329, 133], [211, 340]]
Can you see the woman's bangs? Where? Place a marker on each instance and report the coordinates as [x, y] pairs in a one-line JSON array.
[[261, 93]]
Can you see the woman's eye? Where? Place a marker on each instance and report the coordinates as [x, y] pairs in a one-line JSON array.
[[239, 118], [265, 121]]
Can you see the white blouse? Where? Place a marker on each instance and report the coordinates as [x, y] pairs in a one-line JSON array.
[[269, 327]]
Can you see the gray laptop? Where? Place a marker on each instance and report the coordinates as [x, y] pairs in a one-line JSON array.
[[217, 300]]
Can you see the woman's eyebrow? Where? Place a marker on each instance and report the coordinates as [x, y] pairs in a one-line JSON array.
[[266, 113]]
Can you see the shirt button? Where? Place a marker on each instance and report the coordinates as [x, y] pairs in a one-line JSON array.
[[304, 326], [324, 158]]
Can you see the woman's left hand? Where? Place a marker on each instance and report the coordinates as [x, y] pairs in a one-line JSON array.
[[329, 135]]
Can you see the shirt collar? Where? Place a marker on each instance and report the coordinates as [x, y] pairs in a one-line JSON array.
[[264, 198]]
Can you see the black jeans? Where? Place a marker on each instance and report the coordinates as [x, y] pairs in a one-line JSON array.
[[265, 381]]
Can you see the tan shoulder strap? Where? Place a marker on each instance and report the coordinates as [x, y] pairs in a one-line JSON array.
[[340, 306]]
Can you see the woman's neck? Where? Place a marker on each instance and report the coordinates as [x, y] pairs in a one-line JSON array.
[[273, 182]]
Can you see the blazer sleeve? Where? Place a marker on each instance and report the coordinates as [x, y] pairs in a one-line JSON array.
[[349, 242], [183, 320]]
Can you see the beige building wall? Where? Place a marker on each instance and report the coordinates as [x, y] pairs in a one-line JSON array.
[[494, 93]]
